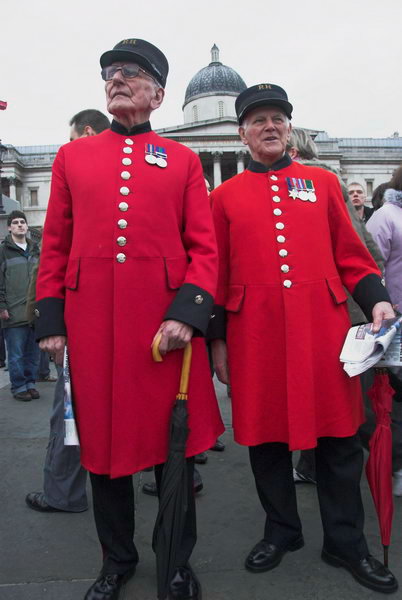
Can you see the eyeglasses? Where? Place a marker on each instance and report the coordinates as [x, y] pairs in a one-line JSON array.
[[128, 71]]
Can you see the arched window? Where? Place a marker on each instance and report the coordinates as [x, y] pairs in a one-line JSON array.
[[195, 113], [221, 108]]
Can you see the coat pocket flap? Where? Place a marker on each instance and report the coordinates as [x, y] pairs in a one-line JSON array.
[[336, 290], [235, 298], [176, 269], [72, 274]]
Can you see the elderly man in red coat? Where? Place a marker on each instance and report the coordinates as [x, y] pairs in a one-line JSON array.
[[286, 249], [129, 251]]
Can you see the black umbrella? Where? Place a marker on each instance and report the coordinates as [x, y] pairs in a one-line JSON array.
[[171, 516]]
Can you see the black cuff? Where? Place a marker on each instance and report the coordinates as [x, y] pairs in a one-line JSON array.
[[49, 320], [368, 292], [192, 305], [217, 324]]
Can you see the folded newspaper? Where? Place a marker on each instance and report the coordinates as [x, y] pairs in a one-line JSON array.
[[70, 427], [364, 349]]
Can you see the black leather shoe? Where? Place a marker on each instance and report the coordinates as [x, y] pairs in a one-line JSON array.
[[34, 393], [265, 556], [218, 446], [368, 571], [184, 585], [23, 396], [36, 501], [201, 458], [107, 587]]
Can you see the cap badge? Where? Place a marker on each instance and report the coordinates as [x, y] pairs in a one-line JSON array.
[[155, 155], [303, 189]]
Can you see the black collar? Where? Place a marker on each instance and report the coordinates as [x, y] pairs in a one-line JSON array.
[[257, 167], [141, 128]]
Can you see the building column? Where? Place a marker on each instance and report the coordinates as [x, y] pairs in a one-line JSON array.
[[217, 168], [13, 188], [240, 161]]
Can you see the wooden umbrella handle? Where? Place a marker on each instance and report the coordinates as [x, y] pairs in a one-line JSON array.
[[185, 369], [156, 355], [186, 365]]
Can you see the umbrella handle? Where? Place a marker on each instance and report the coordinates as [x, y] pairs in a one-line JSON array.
[[156, 355], [185, 369]]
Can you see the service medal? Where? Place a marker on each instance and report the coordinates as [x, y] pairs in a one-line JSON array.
[[161, 162], [310, 190], [151, 159], [292, 189]]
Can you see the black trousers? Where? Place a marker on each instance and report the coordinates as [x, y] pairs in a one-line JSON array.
[[113, 502], [339, 464]]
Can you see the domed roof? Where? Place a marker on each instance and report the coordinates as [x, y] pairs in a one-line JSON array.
[[215, 79]]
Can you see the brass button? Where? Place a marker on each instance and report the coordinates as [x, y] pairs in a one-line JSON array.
[[283, 252], [276, 199], [125, 175], [121, 257], [280, 226], [126, 161], [122, 223], [121, 240], [274, 188], [124, 191], [281, 239], [199, 299], [287, 283], [123, 206], [127, 150], [128, 141], [285, 268]]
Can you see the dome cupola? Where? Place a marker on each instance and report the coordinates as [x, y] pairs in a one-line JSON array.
[[212, 91]]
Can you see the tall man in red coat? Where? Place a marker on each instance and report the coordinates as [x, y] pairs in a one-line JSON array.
[[129, 251], [286, 249]]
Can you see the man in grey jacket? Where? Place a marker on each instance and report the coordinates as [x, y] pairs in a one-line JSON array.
[[64, 481], [18, 255]]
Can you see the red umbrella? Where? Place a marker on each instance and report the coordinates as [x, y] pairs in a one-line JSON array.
[[379, 464]]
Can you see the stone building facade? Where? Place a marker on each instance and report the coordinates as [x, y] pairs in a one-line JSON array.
[[210, 130]]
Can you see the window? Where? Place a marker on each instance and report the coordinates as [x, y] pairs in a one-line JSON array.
[[369, 187], [195, 113], [220, 109], [33, 197]]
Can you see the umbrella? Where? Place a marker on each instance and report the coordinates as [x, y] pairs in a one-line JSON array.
[[171, 516], [379, 464]]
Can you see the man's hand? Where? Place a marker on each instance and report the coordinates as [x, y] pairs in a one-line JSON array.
[[220, 360], [381, 310], [175, 335], [4, 314], [55, 345]]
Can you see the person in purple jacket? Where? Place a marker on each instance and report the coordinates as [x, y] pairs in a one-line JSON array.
[[385, 225]]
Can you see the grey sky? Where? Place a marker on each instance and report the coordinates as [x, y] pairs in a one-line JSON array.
[[339, 62]]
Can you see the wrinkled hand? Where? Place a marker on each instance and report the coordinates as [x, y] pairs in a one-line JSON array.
[[4, 314], [220, 360], [175, 335], [381, 310], [55, 345]]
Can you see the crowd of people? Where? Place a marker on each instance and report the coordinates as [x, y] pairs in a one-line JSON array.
[[134, 251]]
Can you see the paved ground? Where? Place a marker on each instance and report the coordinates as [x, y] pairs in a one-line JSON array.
[[56, 556]]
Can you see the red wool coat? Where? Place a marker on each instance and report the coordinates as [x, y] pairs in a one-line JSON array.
[[283, 264], [127, 244]]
